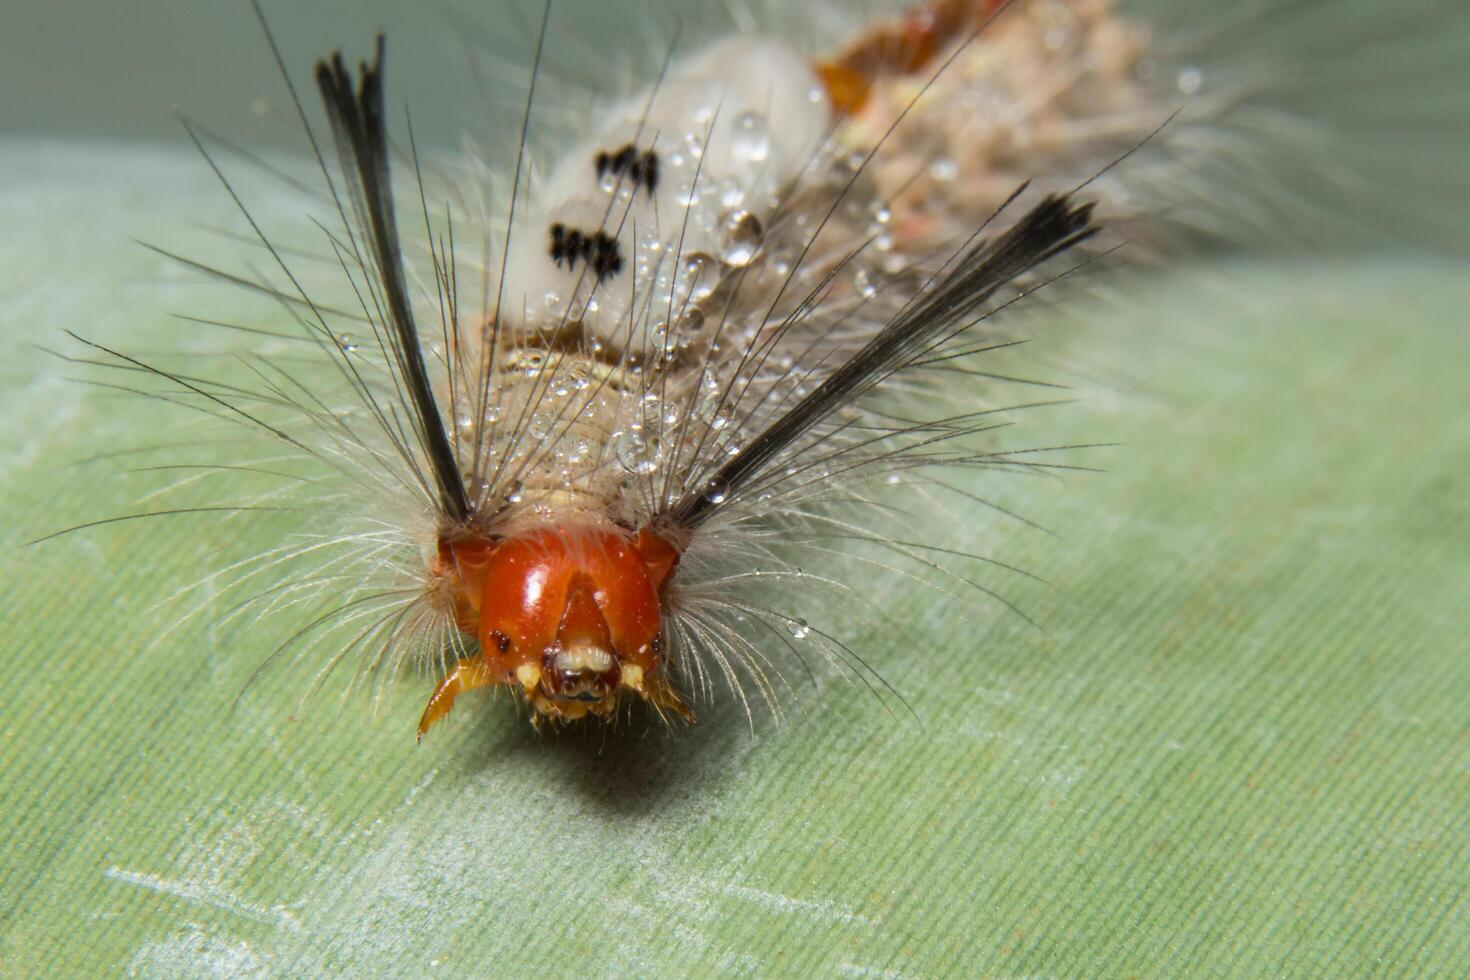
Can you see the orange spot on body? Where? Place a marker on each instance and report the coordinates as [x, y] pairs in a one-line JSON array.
[[902, 47]]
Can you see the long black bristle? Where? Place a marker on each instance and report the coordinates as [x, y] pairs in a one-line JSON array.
[[1048, 229], [360, 133]]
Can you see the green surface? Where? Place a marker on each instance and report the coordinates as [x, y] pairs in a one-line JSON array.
[[1242, 748]]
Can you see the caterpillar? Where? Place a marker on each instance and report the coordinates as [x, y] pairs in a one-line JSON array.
[[688, 358]]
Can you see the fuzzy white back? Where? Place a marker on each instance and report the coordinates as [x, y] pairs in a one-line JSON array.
[[732, 126]]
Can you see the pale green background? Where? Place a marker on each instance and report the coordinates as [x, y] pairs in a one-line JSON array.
[[1243, 748]]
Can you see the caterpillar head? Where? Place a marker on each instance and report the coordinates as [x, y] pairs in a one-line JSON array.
[[572, 618]]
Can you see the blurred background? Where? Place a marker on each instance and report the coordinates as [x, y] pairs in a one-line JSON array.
[[93, 70], [1240, 747], [1362, 105]]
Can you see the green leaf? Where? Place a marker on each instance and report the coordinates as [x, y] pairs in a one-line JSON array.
[[1241, 747]]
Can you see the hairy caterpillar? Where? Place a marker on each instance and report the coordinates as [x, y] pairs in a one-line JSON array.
[[573, 460]]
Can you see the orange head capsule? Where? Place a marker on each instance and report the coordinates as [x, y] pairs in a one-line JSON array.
[[571, 617]]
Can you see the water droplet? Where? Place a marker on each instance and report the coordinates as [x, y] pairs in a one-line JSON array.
[[741, 236], [691, 323], [1190, 80], [800, 629], [701, 276], [531, 362], [1057, 38], [751, 141], [348, 345], [732, 193], [635, 453], [863, 283]]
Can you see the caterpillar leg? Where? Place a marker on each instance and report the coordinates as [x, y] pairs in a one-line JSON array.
[[467, 675], [659, 693]]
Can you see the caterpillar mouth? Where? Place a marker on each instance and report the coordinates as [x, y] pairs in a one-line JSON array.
[[592, 681], [577, 683], [583, 696], [584, 674]]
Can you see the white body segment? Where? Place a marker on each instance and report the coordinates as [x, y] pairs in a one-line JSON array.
[[675, 189]]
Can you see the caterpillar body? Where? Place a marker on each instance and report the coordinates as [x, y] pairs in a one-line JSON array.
[[669, 343], [675, 368]]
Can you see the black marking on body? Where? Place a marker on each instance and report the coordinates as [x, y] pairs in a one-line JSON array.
[[598, 249], [641, 168]]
